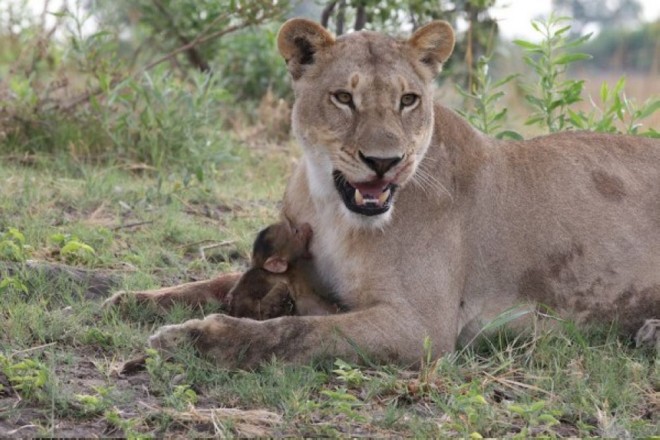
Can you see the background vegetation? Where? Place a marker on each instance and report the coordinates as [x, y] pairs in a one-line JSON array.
[[143, 143]]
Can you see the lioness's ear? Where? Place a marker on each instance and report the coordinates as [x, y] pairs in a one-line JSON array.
[[434, 43], [276, 264], [298, 40]]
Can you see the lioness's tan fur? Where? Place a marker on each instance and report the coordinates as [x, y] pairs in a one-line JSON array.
[[569, 221]]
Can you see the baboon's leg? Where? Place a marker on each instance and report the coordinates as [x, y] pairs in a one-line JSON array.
[[193, 294], [277, 302]]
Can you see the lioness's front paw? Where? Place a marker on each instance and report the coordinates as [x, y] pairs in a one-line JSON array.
[[229, 342]]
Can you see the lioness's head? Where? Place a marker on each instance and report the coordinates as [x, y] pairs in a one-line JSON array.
[[363, 111]]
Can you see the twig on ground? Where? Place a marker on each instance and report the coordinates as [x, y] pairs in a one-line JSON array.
[[139, 167], [132, 225], [202, 249], [31, 349], [515, 384], [194, 243], [15, 431], [247, 423]]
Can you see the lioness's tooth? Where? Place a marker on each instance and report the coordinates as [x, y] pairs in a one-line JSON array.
[[383, 197], [358, 197]]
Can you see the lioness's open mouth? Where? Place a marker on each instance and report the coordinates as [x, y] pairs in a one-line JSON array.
[[366, 198]]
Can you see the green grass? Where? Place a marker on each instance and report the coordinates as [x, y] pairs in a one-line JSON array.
[[59, 353]]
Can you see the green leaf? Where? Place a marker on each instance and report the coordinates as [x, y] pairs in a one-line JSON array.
[[11, 251], [578, 41], [571, 58], [651, 133], [535, 25], [499, 116], [528, 45], [535, 101], [537, 406], [339, 395], [563, 30], [517, 409], [535, 120], [16, 235], [577, 119], [510, 134], [494, 97], [505, 80], [478, 399], [75, 247], [505, 318], [620, 84], [548, 419], [649, 109], [604, 91], [60, 14]]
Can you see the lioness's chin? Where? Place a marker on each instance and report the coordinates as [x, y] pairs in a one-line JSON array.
[[359, 221]]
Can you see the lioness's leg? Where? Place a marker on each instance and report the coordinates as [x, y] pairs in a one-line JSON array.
[[192, 294], [380, 332]]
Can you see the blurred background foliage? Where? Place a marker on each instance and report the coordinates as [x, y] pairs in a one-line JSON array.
[[167, 82]]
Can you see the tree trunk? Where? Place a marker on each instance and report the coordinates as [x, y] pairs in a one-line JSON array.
[[341, 17], [327, 12], [360, 17]]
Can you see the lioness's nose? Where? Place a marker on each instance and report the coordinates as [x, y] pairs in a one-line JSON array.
[[380, 165]]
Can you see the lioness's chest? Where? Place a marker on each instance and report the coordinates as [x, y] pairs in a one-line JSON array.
[[339, 263]]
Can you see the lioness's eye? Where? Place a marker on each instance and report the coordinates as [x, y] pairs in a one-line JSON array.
[[408, 100], [344, 98]]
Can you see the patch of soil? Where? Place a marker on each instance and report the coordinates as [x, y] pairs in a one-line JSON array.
[[80, 374]]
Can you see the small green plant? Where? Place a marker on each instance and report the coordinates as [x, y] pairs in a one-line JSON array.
[[250, 67], [99, 338], [468, 409], [481, 101], [181, 397], [12, 283], [340, 400], [127, 426], [12, 245], [550, 59], [95, 404], [615, 107], [29, 378], [348, 374], [72, 249], [162, 374], [535, 416]]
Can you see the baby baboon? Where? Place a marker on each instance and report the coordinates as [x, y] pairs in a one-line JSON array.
[[278, 281]]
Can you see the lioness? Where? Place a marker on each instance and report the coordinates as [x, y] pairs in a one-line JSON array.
[[425, 227]]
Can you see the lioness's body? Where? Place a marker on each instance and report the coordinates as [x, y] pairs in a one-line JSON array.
[[570, 221], [426, 228]]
